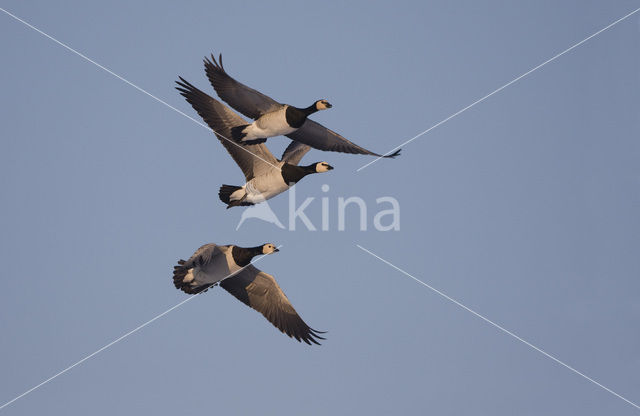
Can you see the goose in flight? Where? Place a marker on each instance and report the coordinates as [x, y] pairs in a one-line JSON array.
[[229, 266], [281, 122], [272, 118], [265, 175]]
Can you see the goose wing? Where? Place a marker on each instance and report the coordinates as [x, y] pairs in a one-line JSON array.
[[319, 137], [253, 104], [246, 100], [260, 291], [253, 159], [294, 152], [203, 256]]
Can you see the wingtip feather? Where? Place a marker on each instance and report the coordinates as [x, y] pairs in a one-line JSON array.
[[394, 154]]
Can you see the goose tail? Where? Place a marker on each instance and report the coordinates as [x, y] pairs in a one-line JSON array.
[[180, 277], [183, 277], [238, 133], [225, 192]]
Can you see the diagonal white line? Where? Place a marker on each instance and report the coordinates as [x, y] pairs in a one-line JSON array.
[[121, 338], [506, 331], [501, 88], [132, 84], [96, 352]]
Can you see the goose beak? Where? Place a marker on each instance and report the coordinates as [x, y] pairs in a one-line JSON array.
[[329, 105], [329, 167], [276, 250]]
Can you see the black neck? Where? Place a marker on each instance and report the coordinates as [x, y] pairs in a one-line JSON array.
[[297, 116], [292, 173], [310, 110], [242, 256]]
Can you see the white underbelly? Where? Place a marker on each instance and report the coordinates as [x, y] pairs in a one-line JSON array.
[[237, 195], [263, 188], [269, 125]]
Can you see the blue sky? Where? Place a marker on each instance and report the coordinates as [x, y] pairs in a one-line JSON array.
[[523, 208]]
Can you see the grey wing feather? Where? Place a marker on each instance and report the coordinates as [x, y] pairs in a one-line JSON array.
[[253, 159], [294, 153], [260, 291], [319, 137], [254, 104], [246, 100], [203, 255]]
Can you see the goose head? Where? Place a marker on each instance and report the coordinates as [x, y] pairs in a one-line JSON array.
[[322, 105], [269, 248], [322, 167]]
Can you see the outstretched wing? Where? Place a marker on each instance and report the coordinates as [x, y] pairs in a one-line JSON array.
[[246, 100], [294, 153], [319, 137], [253, 104], [253, 159], [260, 291]]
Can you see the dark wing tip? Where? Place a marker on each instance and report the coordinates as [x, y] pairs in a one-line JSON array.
[[300, 331], [184, 86], [213, 63], [316, 334], [183, 82], [312, 335], [394, 154]]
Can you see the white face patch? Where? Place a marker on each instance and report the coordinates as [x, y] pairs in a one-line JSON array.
[[268, 248], [322, 105], [322, 167]]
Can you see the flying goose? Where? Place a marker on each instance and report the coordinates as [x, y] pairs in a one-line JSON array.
[[266, 176], [272, 118], [229, 266], [280, 122]]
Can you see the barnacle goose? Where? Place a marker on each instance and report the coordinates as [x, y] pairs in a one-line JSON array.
[[272, 118], [279, 122], [229, 266], [266, 176]]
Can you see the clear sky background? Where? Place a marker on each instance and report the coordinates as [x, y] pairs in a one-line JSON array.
[[524, 208]]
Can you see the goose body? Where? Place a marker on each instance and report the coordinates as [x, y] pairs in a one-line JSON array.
[[256, 190], [265, 175], [210, 265], [230, 267], [269, 125], [280, 122], [262, 188], [273, 118]]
